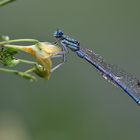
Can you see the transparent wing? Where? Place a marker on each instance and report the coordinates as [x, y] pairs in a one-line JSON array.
[[113, 73]]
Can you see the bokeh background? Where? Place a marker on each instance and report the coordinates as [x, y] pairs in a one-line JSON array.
[[76, 103]]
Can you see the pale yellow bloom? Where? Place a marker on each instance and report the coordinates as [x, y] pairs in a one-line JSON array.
[[43, 52]]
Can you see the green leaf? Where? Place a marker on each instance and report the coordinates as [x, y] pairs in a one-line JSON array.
[[11, 51], [7, 57]]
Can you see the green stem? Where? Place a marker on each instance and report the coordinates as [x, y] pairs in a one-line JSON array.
[[8, 70], [4, 2], [22, 74], [19, 40], [30, 70]]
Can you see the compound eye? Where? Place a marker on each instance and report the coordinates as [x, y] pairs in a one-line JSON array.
[[58, 34], [78, 43]]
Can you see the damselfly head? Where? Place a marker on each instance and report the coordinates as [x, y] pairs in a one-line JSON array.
[[58, 33]]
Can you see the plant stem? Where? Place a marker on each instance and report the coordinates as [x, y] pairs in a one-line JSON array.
[[19, 40], [22, 74], [30, 70], [8, 70], [4, 2]]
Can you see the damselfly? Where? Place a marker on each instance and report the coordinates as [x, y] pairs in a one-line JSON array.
[[113, 73]]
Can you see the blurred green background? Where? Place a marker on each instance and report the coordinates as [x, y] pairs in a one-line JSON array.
[[76, 103]]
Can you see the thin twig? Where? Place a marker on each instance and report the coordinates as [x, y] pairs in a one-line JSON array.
[[4, 2]]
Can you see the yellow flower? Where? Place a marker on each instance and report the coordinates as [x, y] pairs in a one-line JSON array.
[[43, 52]]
